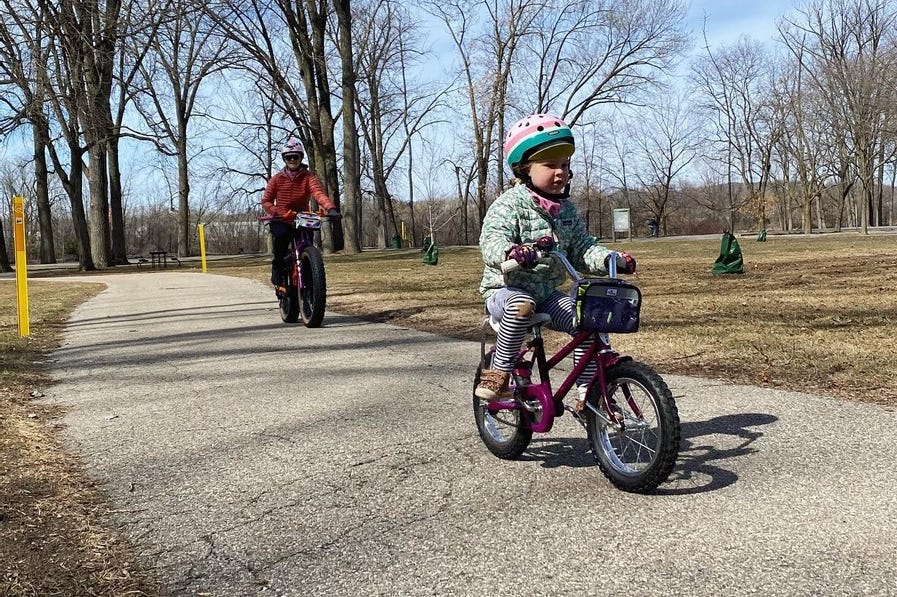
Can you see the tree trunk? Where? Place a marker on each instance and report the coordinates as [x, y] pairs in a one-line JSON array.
[[183, 195], [5, 265], [99, 205], [79, 218], [116, 210], [351, 176], [41, 137]]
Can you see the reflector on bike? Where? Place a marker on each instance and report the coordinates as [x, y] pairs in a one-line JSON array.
[[308, 220]]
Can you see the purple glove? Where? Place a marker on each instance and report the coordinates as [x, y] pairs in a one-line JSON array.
[[545, 243], [625, 263], [524, 255]]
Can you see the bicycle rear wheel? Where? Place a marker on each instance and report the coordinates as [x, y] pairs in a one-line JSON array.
[[313, 291], [640, 452], [506, 433]]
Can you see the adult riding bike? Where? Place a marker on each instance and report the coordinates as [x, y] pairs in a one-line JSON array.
[[630, 417], [304, 291]]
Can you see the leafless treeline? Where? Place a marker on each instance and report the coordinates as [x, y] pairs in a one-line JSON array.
[[796, 134]]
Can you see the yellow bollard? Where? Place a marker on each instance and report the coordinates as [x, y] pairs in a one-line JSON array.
[[18, 233], [202, 246]]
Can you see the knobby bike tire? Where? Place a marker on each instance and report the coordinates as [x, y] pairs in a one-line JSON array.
[[506, 434], [313, 294], [641, 455]]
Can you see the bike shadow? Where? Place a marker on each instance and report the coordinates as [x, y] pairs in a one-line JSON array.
[[698, 469], [556, 452]]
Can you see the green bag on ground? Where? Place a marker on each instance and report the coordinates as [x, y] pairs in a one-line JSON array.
[[730, 260], [431, 255]]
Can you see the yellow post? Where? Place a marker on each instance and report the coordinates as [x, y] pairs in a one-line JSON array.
[[202, 246], [18, 233], [404, 237]]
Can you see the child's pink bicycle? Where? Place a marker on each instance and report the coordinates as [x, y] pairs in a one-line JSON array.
[[630, 415]]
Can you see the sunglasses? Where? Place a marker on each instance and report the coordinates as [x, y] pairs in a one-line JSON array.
[[291, 158]]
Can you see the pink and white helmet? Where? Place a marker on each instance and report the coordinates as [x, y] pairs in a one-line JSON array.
[[293, 146], [539, 136]]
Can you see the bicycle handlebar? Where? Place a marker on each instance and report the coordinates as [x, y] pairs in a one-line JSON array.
[[543, 256], [320, 214]]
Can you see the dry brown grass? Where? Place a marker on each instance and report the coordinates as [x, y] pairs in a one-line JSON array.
[[52, 535], [814, 314]]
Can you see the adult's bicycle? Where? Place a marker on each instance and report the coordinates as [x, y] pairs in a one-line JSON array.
[[304, 290], [630, 416]]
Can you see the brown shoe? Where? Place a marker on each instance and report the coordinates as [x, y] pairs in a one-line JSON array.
[[493, 385]]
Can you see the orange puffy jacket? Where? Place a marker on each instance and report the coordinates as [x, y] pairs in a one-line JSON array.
[[283, 194]]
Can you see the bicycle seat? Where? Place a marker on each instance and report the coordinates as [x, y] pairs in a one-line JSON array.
[[538, 319]]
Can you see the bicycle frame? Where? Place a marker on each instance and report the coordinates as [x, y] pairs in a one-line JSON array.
[[551, 403], [304, 227]]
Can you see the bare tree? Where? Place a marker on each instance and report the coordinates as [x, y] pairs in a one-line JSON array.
[[487, 58], [847, 50], [735, 83], [88, 33], [805, 147], [390, 111], [666, 141], [592, 52], [351, 154], [186, 51], [23, 59]]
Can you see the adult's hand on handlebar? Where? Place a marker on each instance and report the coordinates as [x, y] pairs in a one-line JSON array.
[[625, 263], [334, 213], [524, 255]]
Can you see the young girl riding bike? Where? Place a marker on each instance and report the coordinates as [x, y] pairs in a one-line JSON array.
[[535, 214]]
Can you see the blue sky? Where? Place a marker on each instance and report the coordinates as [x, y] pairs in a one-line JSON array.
[[729, 19]]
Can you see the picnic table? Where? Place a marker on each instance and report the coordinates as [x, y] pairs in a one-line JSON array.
[[159, 258]]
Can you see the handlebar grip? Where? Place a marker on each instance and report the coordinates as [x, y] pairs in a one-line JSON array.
[[612, 265], [509, 266]]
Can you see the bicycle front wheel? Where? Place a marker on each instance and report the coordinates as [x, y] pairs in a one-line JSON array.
[[638, 449], [313, 290]]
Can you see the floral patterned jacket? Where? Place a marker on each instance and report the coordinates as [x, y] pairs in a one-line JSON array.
[[515, 218]]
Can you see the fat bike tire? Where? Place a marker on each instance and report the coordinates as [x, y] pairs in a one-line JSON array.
[[640, 453], [289, 298], [507, 433], [313, 292]]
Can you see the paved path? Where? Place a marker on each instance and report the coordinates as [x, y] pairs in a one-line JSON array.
[[244, 457]]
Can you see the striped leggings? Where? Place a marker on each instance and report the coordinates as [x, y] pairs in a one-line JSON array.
[[515, 307]]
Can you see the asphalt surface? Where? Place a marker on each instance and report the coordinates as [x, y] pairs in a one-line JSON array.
[[244, 456]]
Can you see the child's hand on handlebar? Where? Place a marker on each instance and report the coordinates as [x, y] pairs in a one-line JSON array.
[[524, 255], [545, 244], [625, 263]]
